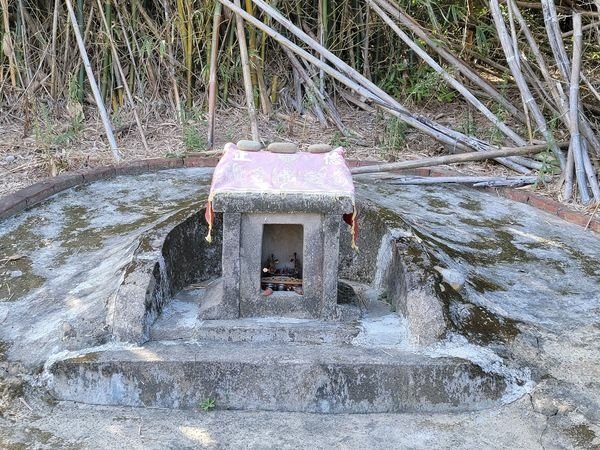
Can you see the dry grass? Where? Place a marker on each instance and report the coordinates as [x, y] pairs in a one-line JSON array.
[[51, 148]]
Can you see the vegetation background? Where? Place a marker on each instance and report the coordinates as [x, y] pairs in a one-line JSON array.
[[160, 51]]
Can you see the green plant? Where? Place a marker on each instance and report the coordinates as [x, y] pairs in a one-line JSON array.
[[395, 134], [550, 165], [338, 140], [430, 85], [49, 136], [496, 136], [192, 140], [208, 404], [468, 126]]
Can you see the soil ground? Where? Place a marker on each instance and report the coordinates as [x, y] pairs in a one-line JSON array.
[[33, 149]]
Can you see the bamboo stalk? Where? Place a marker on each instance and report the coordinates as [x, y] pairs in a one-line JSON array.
[[366, 43], [323, 98], [511, 59], [212, 81], [53, 50], [252, 53], [311, 89], [122, 75], [105, 81], [370, 91], [171, 68], [481, 181], [188, 50], [513, 33], [568, 176], [448, 159], [590, 172], [437, 47], [93, 84], [360, 84], [8, 44], [80, 19], [24, 39], [128, 44], [246, 72], [322, 19], [447, 77], [575, 148], [560, 99], [256, 68]]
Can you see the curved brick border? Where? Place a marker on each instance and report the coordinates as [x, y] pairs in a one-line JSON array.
[[31, 195]]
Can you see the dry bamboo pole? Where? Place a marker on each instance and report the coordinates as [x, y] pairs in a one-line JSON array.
[[396, 12], [518, 140], [567, 192], [81, 74], [212, 80], [322, 17], [346, 75], [510, 163], [256, 68], [482, 181], [241, 35], [8, 45], [310, 87], [184, 21], [511, 59], [123, 78], [365, 46], [252, 54], [449, 159], [128, 44], [53, 50], [590, 172], [576, 144], [351, 78], [171, 67], [322, 99], [589, 26], [553, 87], [557, 45], [105, 80], [25, 40], [189, 44], [513, 33], [92, 80], [535, 49]]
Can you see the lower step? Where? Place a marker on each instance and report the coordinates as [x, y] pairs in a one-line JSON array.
[[292, 377]]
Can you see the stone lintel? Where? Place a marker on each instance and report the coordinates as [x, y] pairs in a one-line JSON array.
[[276, 203]]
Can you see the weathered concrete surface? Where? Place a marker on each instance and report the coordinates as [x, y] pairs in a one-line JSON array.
[[96, 427], [72, 251], [286, 377], [178, 322], [531, 287], [530, 297]]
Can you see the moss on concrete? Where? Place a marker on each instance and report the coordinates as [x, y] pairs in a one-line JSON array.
[[582, 437]]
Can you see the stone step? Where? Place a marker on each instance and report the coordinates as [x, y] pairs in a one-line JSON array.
[[179, 321], [274, 377], [259, 330]]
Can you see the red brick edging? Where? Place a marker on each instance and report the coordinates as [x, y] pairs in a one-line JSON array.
[[537, 201], [31, 195]]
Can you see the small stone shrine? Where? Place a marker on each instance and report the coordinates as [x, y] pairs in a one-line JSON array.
[[282, 214]]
